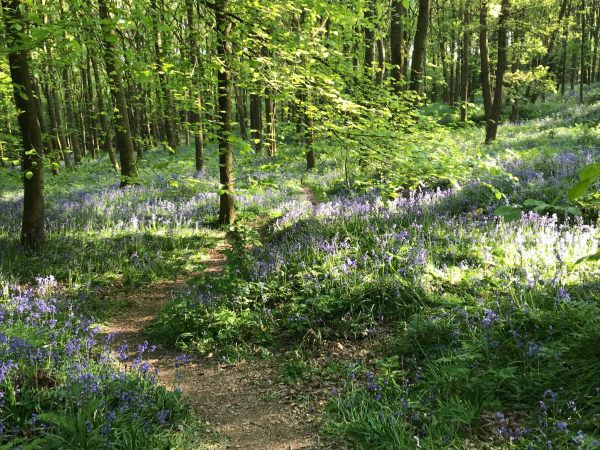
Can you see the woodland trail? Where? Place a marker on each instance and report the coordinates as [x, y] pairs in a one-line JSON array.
[[243, 402]]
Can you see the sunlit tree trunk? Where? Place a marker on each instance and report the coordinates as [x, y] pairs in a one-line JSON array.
[[271, 130], [420, 42], [464, 71], [223, 27], [492, 124], [127, 155], [369, 37], [582, 55], [397, 43], [256, 123], [33, 235]]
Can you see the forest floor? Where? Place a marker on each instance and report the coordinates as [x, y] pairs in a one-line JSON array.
[[241, 401]]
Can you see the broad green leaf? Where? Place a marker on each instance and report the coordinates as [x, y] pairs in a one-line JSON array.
[[579, 190], [508, 213], [590, 172]]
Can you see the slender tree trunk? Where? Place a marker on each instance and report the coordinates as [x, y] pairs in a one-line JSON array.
[[397, 43], [70, 117], [166, 109], [485, 61], [240, 105], [270, 115], [563, 69], [464, 71], [380, 61], [91, 109], [309, 139], [104, 124], [196, 112], [420, 42], [33, 235], [582, 56], [492, 124], [548, 59], [256, 123], [127, 155], [223, 27], [369, 36]]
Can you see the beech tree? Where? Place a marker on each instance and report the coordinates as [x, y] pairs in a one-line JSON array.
[[32, 164], [127, 154]]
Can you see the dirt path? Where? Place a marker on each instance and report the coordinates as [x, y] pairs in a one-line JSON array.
[[242, 401]]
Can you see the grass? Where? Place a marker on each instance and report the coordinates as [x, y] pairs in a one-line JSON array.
[[489, 326], [476, 332], [61, 384]]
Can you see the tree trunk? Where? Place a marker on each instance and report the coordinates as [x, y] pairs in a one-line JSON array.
[[256, 123], [311, 159], [102, 112], [270, 115], [223, 27], [166, 108], [196, 112], [548, 59], [563, 69], [91, 108], [397, 43], [33, 235], [492, 124], [70, 117], [241, 112], [127, 155], [464, 71], [485, 61], [596, 11], [380, 61], [582, 56], [369, 36], [418, 57]]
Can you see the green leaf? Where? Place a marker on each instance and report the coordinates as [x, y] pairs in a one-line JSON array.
[[29, 174], [508, 213], [534, 202], [579, 190], [592, 257], [574, 210], [590, 172], [406, 3]]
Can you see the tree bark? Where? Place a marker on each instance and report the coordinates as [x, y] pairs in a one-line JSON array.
[[485, 61], [369, 37], [196, 112], [127, 155], [271, 130], [464, 71], [240, 105], [397, 43], [166, 108], [492, 124], [256, 123], [33, 235], [582, 55], [223, 27], [420, 42], [72, 130]]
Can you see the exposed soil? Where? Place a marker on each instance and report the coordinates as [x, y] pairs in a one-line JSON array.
[[241, 401]]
